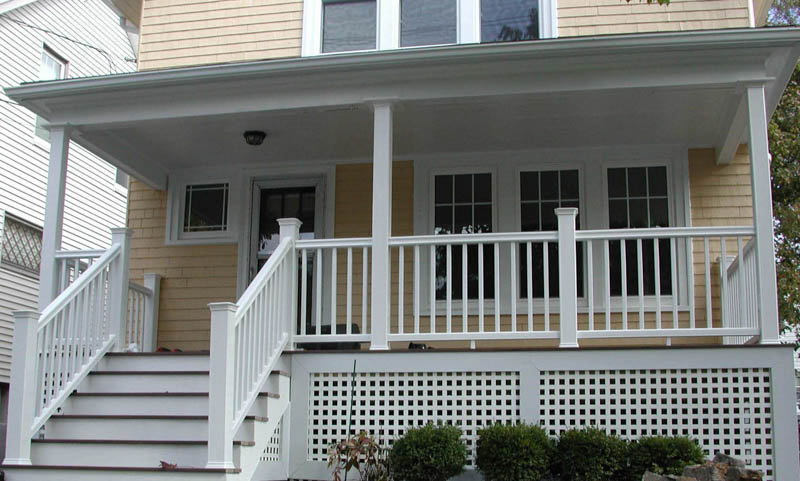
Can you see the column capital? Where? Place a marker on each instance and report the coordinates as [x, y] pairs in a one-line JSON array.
[[380, 103]]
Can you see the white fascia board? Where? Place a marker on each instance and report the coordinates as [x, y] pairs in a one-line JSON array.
[[10, 5]]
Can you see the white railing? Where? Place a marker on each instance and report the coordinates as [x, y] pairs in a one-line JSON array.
[[247, 338], [53, 351], [334, 290], [141, 326], [741, 305], [71, 264]]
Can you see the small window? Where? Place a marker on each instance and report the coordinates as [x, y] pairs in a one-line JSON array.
[[52, 67], [428, 22], [206, 208], [463, 205], [22, 246], [541, 193], [638, 198], [122, 179], [349, 25], [509, 20]]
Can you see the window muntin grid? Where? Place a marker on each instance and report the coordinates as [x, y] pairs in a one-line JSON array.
[[206, 208]]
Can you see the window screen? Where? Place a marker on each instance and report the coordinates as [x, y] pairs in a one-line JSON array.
[[349, 25]]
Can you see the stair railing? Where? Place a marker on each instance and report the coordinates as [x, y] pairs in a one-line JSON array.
[[247, 338], [55, 349]]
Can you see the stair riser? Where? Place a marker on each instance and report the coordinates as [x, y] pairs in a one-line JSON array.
[[154, 363], [144, 429], [102, 383], [144, 455], [138, 405], [91, 475]]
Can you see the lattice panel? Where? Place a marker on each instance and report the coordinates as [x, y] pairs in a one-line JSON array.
[[387, 403], [273, 450], [22, 245], [726, 410]]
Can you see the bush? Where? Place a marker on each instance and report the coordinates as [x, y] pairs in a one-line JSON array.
[[514, 453], [662, 455], [589, 455], [362, 454], [429, 453]]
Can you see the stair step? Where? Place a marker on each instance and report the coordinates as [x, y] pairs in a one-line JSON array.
[[145, 427], [154, 361], [150, 403], [101, 381], [109, 452], [104, 473]]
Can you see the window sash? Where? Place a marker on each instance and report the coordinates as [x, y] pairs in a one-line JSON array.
[[192, 222]]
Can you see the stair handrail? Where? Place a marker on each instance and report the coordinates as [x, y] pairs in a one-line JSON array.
[[54, 350], [247, 339]]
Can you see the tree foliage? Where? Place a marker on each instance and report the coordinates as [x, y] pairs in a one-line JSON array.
[[784, 12]]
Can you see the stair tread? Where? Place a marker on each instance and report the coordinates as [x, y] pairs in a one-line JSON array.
[[132, 441], [145, 416], [148, 372], [160, 393], [123, 468], [144, 354]]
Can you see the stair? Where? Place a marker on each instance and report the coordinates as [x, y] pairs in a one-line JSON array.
[[136, 410]]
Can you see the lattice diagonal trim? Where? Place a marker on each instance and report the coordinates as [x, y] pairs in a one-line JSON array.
[[22, 245], [387, 403], [726, 410]]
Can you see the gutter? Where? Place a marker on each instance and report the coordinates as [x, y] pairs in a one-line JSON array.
[[404, 58]]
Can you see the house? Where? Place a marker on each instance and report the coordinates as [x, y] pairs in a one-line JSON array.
[[568, 202], [43, 40]]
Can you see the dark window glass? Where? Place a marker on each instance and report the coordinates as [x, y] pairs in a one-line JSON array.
[[206, 208], [509, 20], [558, 188], [637, 198], [428, 22], [349, 25], [463, 205]]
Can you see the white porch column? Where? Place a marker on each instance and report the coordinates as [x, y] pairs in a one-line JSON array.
[[381, 224], [567, 277], [762, 215], [53, 214]]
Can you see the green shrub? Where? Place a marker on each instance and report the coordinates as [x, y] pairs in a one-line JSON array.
[[429, 453], [514, 453], [662, 455], [589, 455]]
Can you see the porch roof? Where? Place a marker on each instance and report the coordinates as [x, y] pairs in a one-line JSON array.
[[677, 88]]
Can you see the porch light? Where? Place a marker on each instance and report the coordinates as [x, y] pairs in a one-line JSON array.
[[254, 137]]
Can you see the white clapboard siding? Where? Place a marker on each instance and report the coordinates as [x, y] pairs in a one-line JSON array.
[[93, 203]]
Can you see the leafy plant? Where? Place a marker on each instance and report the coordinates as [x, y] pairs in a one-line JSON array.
[[589, 455], [361, 453], [662, 455], [514, 453], [429, 453]]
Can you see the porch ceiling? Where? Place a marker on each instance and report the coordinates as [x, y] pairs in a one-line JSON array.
[[619, 90]]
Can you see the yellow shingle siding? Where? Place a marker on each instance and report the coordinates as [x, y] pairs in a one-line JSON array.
[[192, 276], [176, 33]]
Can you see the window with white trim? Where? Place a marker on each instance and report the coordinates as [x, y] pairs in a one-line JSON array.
[[206, 208], [463, 205], [638, 197], [52, 67], [357, 25]]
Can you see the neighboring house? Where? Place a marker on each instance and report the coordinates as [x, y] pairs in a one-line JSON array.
[[46, 40], [568, 199]]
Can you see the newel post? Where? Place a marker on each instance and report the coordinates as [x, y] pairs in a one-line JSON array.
[[220, 385], [290, 229], [567, 276], [22, 395], [150, 329], [118, 288]]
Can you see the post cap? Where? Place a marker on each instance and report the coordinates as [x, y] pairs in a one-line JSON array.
[[573, 211], [289, 222], [223, 306]]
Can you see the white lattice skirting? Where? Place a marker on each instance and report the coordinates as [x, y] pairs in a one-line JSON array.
[[728, 399]]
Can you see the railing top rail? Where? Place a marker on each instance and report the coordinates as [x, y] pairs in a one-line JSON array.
[[664, 232], [263, 275], [329, 243], [444, 239], [140, 288], [79, 254], [70, 292]]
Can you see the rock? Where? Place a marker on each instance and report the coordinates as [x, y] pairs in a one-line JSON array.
[[736, 473], [722, 458], [648, 476], [706, 472]]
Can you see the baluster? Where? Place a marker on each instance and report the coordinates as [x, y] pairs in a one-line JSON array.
[[464, 288], [433, 288], [512, 251], [607, 275], [529, 282], [400, 274], [318, 290], [692, 300], [546, 285], [349, 299], [416, 289], [624, 272], [496, 287], [62, 345], [657, 274], [723, 263], [640, 266], [303, 291], [673, 263], [449, 283], [364, 279], [740, 275], [589, 283], [707, 263], [334, 265], [481, 312]]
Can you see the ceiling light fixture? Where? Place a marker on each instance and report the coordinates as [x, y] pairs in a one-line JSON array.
[[254, 137]]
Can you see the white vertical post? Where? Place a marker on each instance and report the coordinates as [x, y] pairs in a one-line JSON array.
[[567, 276], [290, 229], [53, 214], [22, 395], [381, 224], [762, 216], [220, 385], [150, 328], [118, 288]]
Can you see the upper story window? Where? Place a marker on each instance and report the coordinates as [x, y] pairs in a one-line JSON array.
[[52, 67], [331, 26]]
